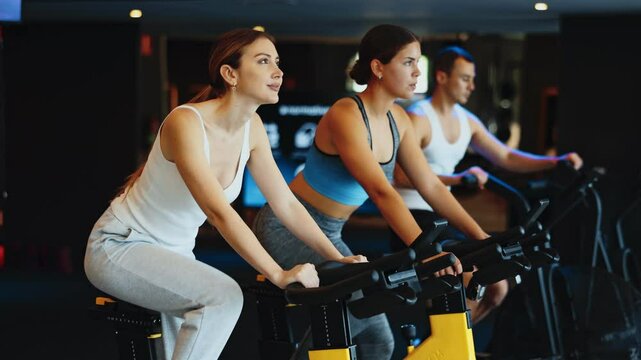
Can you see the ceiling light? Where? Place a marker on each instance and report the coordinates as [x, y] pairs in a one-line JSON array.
[[541, 6], [135, 14]]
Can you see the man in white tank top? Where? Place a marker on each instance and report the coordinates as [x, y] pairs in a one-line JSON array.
[[444, 130]]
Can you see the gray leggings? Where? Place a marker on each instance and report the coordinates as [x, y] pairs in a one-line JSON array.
[[199, 305], [373, 335]]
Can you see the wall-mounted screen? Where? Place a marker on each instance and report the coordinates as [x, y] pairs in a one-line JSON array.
[[10, 10]]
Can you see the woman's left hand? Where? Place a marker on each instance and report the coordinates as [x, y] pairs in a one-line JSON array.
[[353, 259]]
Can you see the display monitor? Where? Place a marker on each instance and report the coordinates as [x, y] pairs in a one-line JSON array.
[[10, 10]]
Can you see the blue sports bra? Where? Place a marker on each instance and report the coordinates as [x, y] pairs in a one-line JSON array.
[[327, 174]]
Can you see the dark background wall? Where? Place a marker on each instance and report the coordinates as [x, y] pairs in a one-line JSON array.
[[598, 110], [541, 64], [3, 155], [71, 135], [600, 70]]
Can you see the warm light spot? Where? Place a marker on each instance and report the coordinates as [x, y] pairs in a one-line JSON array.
[[541, 6], [135, 14], [259, 28]]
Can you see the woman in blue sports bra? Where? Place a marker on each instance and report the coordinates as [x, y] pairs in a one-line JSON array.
[[357, 144]]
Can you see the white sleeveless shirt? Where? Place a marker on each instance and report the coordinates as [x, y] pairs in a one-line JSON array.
[[442, 155], [160, 204]]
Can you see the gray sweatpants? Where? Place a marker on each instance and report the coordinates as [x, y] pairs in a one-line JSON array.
[[199, 305], [373, 335]]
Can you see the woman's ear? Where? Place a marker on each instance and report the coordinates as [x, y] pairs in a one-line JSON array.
[[377, 68], [229, 74]]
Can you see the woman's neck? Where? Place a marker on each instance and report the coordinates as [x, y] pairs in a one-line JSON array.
[[230, 112], [378, 100]]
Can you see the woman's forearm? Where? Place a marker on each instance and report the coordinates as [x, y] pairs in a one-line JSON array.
[[446, 205], [238, 235], [397, 215]]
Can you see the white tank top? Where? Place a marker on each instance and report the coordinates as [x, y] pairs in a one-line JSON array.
[[442, 155], [160, 204]]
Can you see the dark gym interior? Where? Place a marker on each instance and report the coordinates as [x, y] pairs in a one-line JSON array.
[[83, 89]]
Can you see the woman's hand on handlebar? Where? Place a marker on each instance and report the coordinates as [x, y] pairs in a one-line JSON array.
[[303, 273], [353, 259], [574, 158], [455, 269]]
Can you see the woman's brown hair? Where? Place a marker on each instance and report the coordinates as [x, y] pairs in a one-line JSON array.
[[381, 42], [226, 51]]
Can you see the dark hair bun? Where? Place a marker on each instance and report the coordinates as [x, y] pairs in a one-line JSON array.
[[360, 72]]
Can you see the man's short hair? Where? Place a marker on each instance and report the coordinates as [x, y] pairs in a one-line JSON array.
[[445, 58]]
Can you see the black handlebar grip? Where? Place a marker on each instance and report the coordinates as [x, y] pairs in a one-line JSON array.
[[565, 164], [488, 255], [394, 261], [330, 272], [327, 294], [427, 269], [424, 244], [508, 236], [469, 181]]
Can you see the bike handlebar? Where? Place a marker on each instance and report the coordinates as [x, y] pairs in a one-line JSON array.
[[331, 272], [295, 293]]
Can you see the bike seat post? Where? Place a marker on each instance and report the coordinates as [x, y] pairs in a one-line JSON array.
[[137, 329]]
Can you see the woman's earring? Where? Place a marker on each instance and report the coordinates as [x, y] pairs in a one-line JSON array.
[[233, 87], [380, 77]]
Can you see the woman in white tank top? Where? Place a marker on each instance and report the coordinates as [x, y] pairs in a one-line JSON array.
[[141, 249]]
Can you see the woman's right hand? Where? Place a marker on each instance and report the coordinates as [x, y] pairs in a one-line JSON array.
[[455, 269], [303, 273]]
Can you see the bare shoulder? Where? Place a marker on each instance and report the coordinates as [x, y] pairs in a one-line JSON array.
[[475, 123], [471, 117], [341, 114], [181, 130], [181, 119], [400, 116], [343, 106]]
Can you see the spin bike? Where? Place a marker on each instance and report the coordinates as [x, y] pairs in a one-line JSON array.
[[364, 290], [497, 258], [402, 281], [542, 293]]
